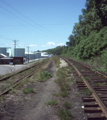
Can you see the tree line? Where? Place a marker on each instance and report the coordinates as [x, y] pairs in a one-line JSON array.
[[89, 36]]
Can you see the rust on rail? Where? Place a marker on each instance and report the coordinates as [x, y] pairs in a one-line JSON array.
[[94, 94]]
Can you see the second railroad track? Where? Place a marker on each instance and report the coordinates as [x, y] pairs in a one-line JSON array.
[[95, 104]]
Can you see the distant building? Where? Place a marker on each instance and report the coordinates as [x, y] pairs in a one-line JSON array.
[[2, 55], [18, 52], [3, 50], [44, 55]]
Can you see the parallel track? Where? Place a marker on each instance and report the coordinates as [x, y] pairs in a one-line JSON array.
[[20, 71], [96, 82], [10, 82]]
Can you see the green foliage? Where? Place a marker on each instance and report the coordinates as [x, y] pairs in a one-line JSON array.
[[100, 83], [55, 51], [86, 91], [67, 105], [44, 75], [28, 90], [71, 41], [104, 57], [56, 94], [65, 93], [64, 51], [90, 33], [64, 114], [52, 102]]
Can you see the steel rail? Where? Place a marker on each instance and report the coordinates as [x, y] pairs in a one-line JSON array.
[[15, 83], [89, 66], [94, 94], [2, 79], [8, 88]]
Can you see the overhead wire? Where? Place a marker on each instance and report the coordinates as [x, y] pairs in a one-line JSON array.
[[49, 31], [5, 38], [18, 16]]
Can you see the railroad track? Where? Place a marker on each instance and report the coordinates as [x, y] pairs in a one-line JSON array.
[[9, 82], [95, 104], [20, 71]]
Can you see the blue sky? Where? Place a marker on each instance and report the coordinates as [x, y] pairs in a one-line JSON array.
[[39, 24]]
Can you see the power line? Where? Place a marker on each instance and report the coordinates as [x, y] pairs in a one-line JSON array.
[[5, 37], [45, 29]]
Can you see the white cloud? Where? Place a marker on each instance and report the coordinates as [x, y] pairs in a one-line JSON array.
[[50, 43], [32, 45], [60, 44]]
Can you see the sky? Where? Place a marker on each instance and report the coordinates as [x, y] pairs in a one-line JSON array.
[[39, 24]]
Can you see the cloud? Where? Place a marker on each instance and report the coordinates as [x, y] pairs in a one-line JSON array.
[[60, 44], [50, 43], [32, 45]]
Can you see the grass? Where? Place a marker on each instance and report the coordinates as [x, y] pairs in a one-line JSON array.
[[93, 70], [80, 79], [83, 70], [2, 98], [44, 75], [69, 80], [52, 102], [100, 74], [68, 75], [56, 61], [28, 90], [12, 91], [86, 91], [100, 83], [63, 83], [69, 72], [64, 93], [78, 93], [56, 94], [87, 77], [67, 105], [64, 114], [65, 87]]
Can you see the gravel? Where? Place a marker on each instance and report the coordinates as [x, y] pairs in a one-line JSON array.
[[5, 69]]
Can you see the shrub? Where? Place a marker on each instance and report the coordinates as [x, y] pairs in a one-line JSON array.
[[28, 90], [44, 75]]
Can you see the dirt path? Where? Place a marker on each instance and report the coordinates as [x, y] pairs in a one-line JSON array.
[[34, 109], [37, 110]]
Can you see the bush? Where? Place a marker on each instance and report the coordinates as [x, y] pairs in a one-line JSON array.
[[44, 75], [28, 90]]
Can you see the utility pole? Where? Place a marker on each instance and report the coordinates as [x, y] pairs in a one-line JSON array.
[[14, 50], [15, 47], [28, 54]]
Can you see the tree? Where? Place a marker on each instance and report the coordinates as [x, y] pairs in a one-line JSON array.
[[71, 41]]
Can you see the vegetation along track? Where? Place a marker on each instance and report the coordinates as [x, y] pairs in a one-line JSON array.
[[9, 82], [95, 104]]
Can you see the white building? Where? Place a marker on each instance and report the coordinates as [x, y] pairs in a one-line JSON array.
[[44, 55], [18, 52]]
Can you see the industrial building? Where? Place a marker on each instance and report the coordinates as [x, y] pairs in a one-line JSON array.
[[36, 55], [44, 55], [30, 55], [17, 52], [3, 50]]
